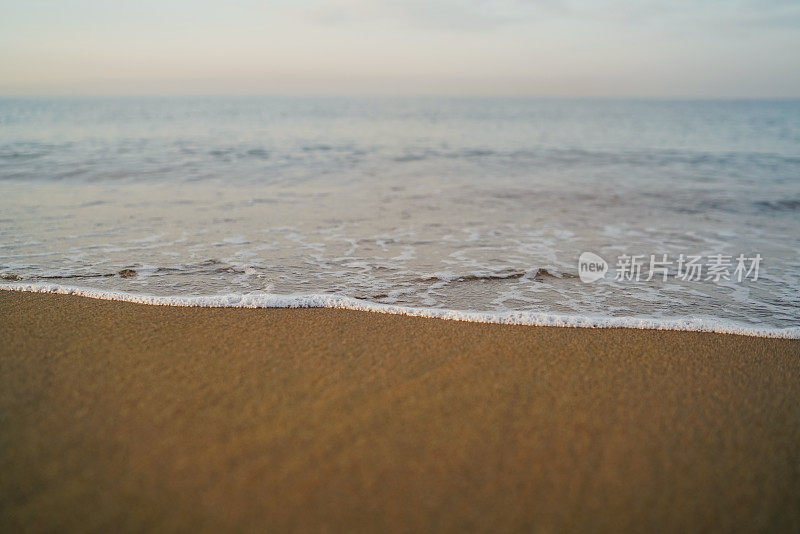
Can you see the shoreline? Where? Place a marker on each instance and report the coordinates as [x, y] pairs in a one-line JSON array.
[[331, 301], [118, 416]]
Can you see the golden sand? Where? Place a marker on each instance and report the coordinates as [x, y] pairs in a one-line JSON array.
[[118, 416]]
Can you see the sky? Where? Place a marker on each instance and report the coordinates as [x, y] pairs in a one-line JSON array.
[[561, 48]]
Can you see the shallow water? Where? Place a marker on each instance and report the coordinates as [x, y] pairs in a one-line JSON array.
[[448, 204]]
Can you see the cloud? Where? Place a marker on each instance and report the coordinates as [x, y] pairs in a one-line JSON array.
[[486, 15], [433, 14]]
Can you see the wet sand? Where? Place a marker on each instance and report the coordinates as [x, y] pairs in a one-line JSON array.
[[124, 417]]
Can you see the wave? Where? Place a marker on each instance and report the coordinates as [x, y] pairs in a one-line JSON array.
[[779, 205], [265, 300], [537, 275]]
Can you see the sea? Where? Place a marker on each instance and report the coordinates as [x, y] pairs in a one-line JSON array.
[[575, 212]]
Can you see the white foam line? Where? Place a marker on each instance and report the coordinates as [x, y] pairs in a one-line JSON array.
[[263, 300]]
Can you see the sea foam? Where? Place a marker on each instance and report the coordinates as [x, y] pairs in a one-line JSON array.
[[523, 318]]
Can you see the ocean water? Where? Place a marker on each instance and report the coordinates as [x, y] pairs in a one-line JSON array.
[[466, 208]]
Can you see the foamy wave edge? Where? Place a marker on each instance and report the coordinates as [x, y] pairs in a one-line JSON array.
[[265, 300]]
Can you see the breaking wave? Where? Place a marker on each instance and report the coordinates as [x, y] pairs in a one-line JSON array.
[[523, 318]]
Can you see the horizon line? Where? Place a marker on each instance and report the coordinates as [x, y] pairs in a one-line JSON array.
[[65, 96]]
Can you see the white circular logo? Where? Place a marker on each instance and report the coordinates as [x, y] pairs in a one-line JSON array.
[[591, 267]]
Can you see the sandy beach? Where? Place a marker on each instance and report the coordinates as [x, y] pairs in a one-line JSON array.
[[124, 417]]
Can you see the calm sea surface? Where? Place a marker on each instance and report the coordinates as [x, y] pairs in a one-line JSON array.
[[458, 204]]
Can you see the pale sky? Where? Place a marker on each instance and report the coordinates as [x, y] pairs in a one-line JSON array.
[[604, 48]]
